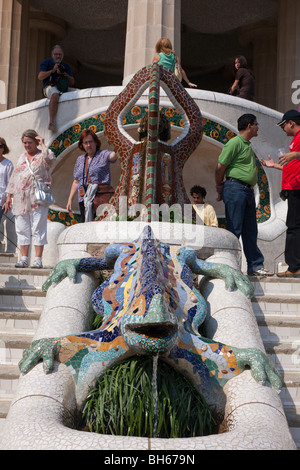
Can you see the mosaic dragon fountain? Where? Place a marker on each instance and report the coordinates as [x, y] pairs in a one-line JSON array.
[[150, 306]]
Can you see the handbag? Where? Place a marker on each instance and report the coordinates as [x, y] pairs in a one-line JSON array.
[[42, 192], [103, 193]]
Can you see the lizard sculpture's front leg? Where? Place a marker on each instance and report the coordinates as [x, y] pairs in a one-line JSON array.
[[194, 349], [233, 278]]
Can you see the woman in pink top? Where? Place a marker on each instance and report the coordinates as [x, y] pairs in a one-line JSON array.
[[30, 218]]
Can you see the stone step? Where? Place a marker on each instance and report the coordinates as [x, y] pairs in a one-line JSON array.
[[274, 285], [5, 401], [21, 304], [277, 304], [292, 414], [12, 344], [23, 278], [8, 258], [290, 393], [295, 432], [281, 327], [16, 339], [19, 319], [9, 378], [14, 298], [285, 354], [20, 314], [9, 372]]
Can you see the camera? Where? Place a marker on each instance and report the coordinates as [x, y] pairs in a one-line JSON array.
[[61, 68]]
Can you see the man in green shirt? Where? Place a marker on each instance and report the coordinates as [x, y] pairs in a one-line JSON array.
[[235, 177]]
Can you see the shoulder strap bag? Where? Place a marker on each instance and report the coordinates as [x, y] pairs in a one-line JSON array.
[[42, 192]]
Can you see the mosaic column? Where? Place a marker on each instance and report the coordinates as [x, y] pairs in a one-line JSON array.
[[288, 47], [152, 147], [147, 22]]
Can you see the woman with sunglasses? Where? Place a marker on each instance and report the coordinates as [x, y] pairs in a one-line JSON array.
[[6, 169]]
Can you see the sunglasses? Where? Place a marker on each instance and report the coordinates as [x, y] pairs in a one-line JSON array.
[[284, 124], [1, 146]]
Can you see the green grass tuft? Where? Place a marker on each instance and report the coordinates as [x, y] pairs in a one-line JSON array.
[[122, 403]]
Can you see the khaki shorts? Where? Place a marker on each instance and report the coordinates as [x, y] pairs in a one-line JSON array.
[[49, 90]]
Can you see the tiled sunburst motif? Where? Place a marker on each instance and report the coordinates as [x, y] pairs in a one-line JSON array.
[[134, 114]]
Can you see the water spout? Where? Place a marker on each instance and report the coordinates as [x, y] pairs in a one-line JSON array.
[[155, 395]]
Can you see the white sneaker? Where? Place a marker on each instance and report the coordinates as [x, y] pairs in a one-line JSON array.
[[37, 263], [261, 272], [23, 263]]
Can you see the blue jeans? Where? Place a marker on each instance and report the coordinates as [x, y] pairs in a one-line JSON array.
[[240, 212]]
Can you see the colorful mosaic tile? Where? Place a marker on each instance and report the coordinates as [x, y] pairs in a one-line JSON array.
[[63, 217]]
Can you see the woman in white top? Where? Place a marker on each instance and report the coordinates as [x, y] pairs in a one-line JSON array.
[[30, 217], [6, 169]]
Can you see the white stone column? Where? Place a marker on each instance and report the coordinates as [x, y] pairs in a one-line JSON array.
[[288, 47], [263, 37], [10, 27], [147, 21], [44, 32]]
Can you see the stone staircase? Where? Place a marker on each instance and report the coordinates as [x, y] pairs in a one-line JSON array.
[[276, 305], [21, 304]]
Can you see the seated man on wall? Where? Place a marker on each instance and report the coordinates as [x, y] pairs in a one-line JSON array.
[[57, 78]]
